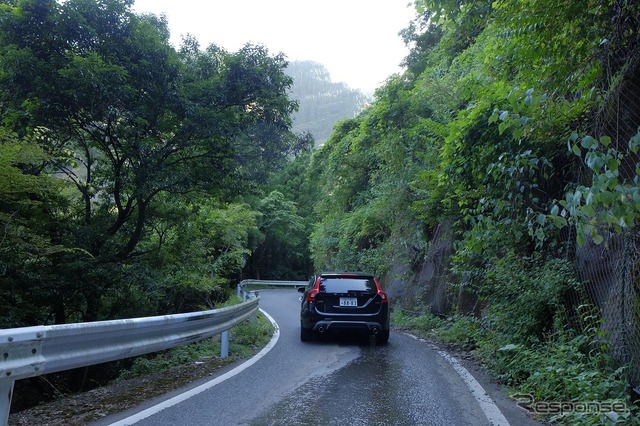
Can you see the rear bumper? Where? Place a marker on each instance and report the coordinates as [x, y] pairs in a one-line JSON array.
[[322, 322], [370, 327]]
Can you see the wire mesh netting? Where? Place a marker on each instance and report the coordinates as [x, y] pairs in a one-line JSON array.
[[610, 272]]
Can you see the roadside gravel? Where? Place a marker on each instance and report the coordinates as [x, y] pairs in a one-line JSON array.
[[86, 407]]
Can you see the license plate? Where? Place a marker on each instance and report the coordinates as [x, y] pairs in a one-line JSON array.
[[348, 301]]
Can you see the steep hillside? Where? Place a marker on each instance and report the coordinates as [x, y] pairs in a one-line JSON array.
[[322, 102]]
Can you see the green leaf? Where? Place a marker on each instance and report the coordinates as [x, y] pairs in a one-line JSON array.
[[598, 239], [509, 347], [588, 211], [588, 142], [517, 133], [589, 199], [634, 143], [558, 222], [576, 150], [577, 196], [595, 161]]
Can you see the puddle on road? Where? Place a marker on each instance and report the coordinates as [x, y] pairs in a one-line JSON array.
[[384, 385], [356, 394]]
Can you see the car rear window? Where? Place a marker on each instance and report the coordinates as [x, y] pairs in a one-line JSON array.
[[346, 285]]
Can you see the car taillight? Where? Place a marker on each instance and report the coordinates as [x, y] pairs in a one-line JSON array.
[[382, 294], [311, 296]]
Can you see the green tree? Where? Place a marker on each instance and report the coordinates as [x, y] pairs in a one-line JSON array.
[[199, 247], [124, 119], [28, 205], [281, 248]]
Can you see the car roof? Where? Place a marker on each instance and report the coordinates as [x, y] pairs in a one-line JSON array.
[[345, 274]]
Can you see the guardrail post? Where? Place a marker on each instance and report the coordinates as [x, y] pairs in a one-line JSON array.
[[6, 391], [224, 344], [239, 289], [253, 316]]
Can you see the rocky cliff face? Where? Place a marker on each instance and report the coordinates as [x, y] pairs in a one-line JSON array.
[[427, 286]]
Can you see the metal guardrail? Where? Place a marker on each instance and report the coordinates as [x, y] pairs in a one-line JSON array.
[[246, 295], [33, 351]]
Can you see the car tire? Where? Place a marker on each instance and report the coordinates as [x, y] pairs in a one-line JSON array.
[[383, 337], [306, 335]]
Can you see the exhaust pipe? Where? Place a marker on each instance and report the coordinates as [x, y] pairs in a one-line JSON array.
[[321, 329], [375, 330]]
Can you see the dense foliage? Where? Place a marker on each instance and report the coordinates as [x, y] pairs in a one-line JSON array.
[[128, 166], [475, 135]]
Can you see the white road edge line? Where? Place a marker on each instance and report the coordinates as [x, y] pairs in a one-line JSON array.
[[203, 387], [489, 408]]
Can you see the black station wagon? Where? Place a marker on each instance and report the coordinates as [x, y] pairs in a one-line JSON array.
[[344, 302]]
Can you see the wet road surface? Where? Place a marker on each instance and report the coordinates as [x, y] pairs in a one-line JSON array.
[[333, 381], [383, 386]]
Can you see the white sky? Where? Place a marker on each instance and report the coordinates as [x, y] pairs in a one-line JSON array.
[[356, 40]]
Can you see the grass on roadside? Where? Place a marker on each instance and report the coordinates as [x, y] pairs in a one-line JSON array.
[[245, 340]]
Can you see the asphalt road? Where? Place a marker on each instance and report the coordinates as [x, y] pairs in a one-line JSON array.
[[343, 381]]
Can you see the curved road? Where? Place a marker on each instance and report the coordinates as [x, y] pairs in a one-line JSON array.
[[333, 382]]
